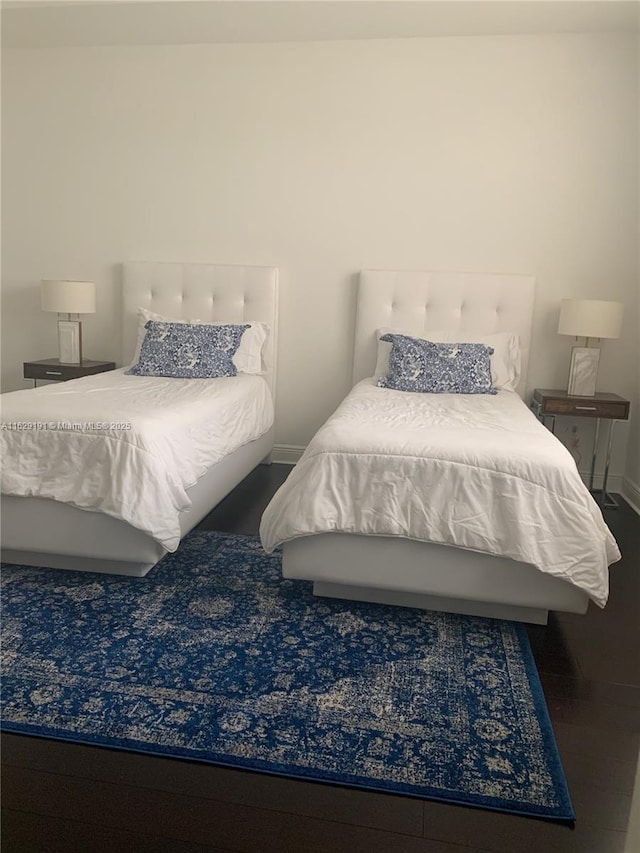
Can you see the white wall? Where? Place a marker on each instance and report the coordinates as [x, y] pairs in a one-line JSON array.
[[512, 154], [631, 485]]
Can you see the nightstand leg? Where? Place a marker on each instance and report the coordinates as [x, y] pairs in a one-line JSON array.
[[607, 500], [595, 453]]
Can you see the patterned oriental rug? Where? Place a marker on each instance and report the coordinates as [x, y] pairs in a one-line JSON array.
[[213, 657]]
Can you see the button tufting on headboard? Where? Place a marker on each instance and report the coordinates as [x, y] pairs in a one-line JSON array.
[[186, 291], [419, 301]]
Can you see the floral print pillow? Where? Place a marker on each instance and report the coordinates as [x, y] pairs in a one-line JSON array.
[[444, 368], [188, 350]]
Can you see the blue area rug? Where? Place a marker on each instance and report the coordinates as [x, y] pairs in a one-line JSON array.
[[214, 657]]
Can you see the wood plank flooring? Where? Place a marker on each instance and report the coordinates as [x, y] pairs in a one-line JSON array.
[[69, 797]]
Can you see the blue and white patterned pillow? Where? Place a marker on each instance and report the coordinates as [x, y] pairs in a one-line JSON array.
[[188, 350], [419, 365]]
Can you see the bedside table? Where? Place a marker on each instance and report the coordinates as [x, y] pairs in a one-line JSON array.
[[547, 404], [53, 370]]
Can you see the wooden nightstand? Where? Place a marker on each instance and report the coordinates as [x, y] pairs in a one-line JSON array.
[[52, 370], [547, 404]]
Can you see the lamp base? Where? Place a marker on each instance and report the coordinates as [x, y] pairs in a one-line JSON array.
[[69, 341], [583, 373]]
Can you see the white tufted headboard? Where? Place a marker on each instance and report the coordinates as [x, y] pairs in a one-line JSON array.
[[421, 301], [207, 292]]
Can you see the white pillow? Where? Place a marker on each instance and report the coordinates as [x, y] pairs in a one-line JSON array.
[[248, 356], [505, 361]]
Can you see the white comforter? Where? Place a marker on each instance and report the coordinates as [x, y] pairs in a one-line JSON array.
[[127, 446], [475, 471]]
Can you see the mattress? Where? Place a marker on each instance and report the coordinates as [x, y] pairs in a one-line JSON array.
[[477, 472], [128, 446]]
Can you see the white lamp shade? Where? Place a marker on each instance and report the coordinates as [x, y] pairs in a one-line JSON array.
[[69, 297], [590, 318]]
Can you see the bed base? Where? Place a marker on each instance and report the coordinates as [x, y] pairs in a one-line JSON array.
[[42, 532], [407, 573], [536, 615]]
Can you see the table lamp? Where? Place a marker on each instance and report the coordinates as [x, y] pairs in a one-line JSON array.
[[587, 318], [71, 298]]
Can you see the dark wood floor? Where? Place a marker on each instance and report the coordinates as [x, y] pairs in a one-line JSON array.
[[64, 797]]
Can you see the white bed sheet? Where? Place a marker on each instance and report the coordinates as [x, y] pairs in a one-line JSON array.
[[475, 471], [179, 428]]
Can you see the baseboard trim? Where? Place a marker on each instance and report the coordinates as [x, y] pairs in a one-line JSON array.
[[630, 491], [287, 454], [614, 483]]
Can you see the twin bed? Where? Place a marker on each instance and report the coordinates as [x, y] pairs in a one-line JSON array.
[[121, 504], [457, 502]]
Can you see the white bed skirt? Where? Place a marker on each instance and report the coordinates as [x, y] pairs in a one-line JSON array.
[[41, 532]]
